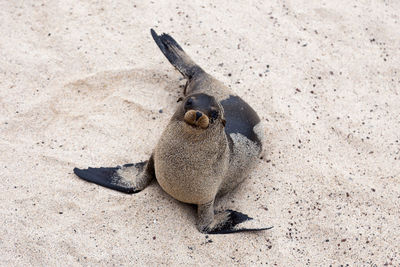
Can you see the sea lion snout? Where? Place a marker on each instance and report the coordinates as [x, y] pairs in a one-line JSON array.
[[197, 118], [198, 115]]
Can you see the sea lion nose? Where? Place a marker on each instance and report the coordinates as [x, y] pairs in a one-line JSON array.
[[198, 115]]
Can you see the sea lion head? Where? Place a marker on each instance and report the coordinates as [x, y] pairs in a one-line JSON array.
[[201, 111]]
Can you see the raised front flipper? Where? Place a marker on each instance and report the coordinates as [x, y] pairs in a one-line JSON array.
[[224, 222], [175, 55], [129, 178]]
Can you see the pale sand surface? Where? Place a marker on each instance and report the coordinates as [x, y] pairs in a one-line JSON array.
[[81, 84]]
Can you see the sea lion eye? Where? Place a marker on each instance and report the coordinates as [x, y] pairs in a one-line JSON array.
[[214, 114], [188, 103]]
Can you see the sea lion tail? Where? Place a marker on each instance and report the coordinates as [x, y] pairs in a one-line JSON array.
[[175, 55]]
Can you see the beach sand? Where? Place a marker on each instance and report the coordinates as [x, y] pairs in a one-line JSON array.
[[83, 84]]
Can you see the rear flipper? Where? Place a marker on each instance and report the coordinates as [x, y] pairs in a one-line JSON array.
[[225, 222], [176, 56], [129, 178], [236, 222]]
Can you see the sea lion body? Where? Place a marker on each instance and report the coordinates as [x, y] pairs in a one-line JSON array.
[[209, 146]]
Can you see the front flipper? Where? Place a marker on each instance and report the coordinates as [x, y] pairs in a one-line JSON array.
[[129, 178], [225, 222], [176, 56]]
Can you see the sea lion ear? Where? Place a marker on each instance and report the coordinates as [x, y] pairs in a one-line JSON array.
[[223, 122]]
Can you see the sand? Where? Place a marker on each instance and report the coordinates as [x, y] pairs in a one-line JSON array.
[[83, 84]]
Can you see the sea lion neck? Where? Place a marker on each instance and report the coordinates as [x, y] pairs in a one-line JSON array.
[[195, 134]]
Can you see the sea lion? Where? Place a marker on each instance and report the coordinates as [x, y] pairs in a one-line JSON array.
[[208, 147]]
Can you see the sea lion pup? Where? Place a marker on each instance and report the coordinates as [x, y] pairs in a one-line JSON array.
[[208, 148]]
